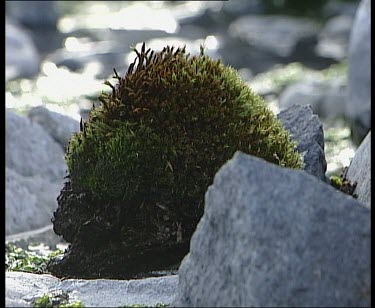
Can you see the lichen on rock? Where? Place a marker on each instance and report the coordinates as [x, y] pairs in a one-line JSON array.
[[139, 168]]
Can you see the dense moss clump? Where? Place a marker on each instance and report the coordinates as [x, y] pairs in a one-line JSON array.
[[168, 126], [140, 166]]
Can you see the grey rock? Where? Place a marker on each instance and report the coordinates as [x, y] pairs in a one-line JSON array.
[[40, 17], [359, 171], [335, 96], [272, 237], [21, 56], [59, 126], [327, 98], [107, 53], [23, 288], [336, 8], [306, 128], [33, 14], [358, 107], [301, 93], [30, 150], [236, 53], [29, 202], [334, 38], [277, 35], [239, 8]]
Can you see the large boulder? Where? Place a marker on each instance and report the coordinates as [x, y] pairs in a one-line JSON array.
[[29, 202], [272, 236], [30, 150], [23, 288], [59, 126], [306, 128], [359, 171], [359, 73]]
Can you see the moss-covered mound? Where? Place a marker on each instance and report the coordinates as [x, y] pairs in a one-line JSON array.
[[140, 166]]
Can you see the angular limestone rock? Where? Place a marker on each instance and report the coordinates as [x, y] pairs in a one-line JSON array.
[[306, 128], [272, 236], [30, 150], [59, 126], [29, 202], [360, 171]]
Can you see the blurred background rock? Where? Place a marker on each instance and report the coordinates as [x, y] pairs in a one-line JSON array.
[[58, 53]]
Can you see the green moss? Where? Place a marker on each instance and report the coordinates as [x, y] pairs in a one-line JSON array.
[[342, 183], [336, 181], [56, 299], [75, 304], [168, 126], [43, 301]]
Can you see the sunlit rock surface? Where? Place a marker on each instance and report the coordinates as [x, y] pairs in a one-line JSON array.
[[29, 201], [30, 150], [23, 288], [58, 126], [35, 167]]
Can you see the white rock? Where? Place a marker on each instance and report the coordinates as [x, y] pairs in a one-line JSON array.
[[29, 202], [30, 150], [60, 127], [35, 170], [23, 288]]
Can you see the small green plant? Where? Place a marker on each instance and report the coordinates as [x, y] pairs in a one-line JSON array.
[[44, 301], [18, 259], [56, 299], [343, 184]]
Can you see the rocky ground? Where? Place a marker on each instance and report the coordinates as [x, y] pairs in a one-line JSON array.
[[53, 79]]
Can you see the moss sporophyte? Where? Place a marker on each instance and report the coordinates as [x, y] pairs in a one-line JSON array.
[[140, 166]]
